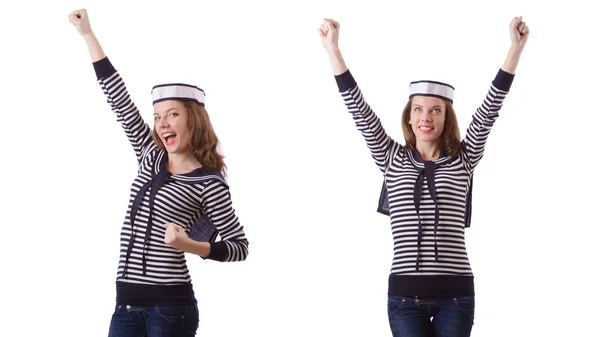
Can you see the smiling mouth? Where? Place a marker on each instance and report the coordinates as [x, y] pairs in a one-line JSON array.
[[426, 128], [169, 138]]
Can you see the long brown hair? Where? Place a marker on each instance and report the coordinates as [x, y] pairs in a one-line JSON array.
[[203, 141], [450, 138]]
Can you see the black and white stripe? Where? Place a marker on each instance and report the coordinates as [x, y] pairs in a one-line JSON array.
[[451, 273], [182, 199]]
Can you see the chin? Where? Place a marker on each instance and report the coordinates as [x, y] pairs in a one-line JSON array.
[[170, 148], [428, 139], [175, 149]]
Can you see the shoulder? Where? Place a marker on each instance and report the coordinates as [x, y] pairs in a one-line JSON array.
[[204, 178], [151, 156]]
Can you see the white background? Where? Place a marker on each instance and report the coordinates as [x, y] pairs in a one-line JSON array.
[[302, 180]]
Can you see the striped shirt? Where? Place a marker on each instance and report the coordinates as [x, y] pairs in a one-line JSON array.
[[151, 272], [416, 271]]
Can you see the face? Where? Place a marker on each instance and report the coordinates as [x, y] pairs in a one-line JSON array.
[[171, 124], [427, 116]]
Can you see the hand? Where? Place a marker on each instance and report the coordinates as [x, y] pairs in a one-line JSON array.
[[80, 19], [519, 32], [175, 236], [329, 32]]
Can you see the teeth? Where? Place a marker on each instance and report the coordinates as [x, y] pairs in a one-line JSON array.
[[168, 134], [425, 128]]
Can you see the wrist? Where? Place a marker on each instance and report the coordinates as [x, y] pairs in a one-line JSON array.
[[194, 247], [333, 49], [89, 37], [515, 50]]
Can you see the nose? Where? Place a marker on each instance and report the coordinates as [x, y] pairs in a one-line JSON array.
[[426, 116], [162, 123]]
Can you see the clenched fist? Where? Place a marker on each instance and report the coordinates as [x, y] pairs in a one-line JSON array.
[[329, 32], [519, 32], [175, 236], [80, 19]]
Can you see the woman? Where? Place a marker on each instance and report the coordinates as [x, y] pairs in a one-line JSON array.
[[179, 190], [427, 183]]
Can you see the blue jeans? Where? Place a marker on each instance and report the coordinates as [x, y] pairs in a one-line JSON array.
[[154, 321], [452, 317]]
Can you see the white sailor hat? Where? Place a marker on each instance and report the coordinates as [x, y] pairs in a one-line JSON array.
[[177, 91], [431, 88]]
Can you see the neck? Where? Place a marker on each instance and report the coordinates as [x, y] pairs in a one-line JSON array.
[[182, 162], [429, 151]]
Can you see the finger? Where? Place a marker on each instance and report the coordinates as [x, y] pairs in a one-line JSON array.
[[332, 22], [522, 27], [78, 13], [515, 21]]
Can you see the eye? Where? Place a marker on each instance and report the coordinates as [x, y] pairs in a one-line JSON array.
[[174, 114], [417, 109], [437, 110], [156, 118]]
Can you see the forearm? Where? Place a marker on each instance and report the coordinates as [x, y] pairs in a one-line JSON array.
[[337, 61], [222, 251], [94, 47], [512, 60], [201, 249]]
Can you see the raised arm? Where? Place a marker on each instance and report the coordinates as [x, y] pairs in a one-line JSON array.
[[485, 116], [367, 122], [137, 131]]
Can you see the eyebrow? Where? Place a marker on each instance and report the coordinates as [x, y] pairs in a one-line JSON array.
[[433, 107], [155, 114]]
